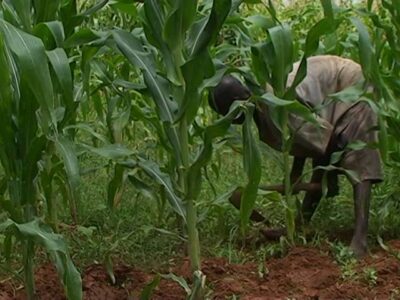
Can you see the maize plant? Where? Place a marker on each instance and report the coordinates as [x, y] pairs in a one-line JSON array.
[[38, 101], [173, 54]]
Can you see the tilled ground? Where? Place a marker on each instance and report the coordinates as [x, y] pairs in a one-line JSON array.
[[304, 273]]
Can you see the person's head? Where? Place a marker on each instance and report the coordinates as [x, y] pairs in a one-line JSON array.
[[225, 93]]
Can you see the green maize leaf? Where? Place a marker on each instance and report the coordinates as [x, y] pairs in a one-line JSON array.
[[282, 62], [67, 151], [51, 33], [129, 85], [147, 292], [194, 72], [213, 81], [158, 86], [60, 64], [111, 151], [144, 188], [68, 15], [328, 9], [235, 6], [208, 35], [178, 21], [9, 14], [132, 48], [32, 63], [7, 138], [55, 245], [323, 27], [179, 280], [46, 10], [260, 21], [114, 192], [153, 170], [33, 155], [153, 27], [365, 47], [86, 36], [126, 7], [260, 56], [21, 11], [219, 128], [291, 106], [252, 167], [195, 32], [272, 11], [95, 8]]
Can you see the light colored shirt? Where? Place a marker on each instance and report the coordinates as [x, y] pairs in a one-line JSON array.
[[326, 74]]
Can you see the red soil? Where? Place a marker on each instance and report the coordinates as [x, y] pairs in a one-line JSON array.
[[304, 273]]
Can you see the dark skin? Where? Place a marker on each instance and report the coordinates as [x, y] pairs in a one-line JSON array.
[[229, 90]]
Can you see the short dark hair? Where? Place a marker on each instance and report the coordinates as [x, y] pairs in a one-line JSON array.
[[226, 92]]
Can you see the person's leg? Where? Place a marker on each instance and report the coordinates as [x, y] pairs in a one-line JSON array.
[[362, 197], [333, 183], [312, 198]]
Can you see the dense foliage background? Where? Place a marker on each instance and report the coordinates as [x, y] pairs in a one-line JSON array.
[[110, 152]]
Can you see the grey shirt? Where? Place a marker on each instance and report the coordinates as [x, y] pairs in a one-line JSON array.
[[326, 74]]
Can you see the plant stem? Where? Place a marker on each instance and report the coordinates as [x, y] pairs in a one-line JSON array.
[[29, 269], [290, 204], [29, 253], [191, 214]]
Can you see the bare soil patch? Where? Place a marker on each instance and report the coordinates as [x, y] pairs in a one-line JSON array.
[[304, 273]]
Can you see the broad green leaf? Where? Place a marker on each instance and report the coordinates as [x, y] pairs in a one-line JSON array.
[[328, 9], [219, 128], [291, 106], [55, 245], [111, 151], [216, 19], [180, 280], [195, 32], [86, 36], [126, 7], [68, 16], [194, 72], [60, 64], [261, 65], [32, 62], [132, 48], [114, 186], [252, 167], [176, 24], [33, 153], [7, 137], [147, 292], [67, 151], [153, 170], [282, 62], [158, 86], [95, 8], [154, 27], [21, 9], [260, 21], [365, 47], [321, 28], [51, 33], [46, 10]]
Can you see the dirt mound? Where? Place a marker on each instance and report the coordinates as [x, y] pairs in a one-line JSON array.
[[304, 273]]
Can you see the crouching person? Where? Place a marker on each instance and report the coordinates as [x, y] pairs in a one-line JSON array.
[[340, 124]]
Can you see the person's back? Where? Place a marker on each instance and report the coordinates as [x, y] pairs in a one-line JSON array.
[[326, 74]]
